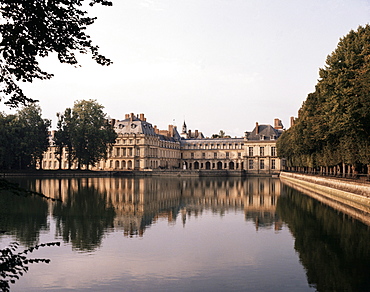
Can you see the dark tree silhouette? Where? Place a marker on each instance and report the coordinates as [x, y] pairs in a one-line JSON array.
[[36, 28]]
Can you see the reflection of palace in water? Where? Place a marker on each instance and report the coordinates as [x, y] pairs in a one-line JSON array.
[[139, 202]]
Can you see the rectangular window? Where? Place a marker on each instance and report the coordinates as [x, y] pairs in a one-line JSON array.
[[262, 164], [250, 151], [215, 155], [227, 154], [262, 151], [192, 155], [239, 155], [273, 151], [203, 155], [273, 166], [250, 164]]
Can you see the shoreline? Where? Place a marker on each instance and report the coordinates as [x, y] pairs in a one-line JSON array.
[[135, 173], [349, 198]]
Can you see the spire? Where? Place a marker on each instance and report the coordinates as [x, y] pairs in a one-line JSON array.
[[184, 128]]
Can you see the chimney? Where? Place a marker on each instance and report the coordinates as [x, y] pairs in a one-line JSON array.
[[291, 121], [132, 116], [170, 130], [257, 128], [196, 133], [278, 125], [189, 133], [156, 130], [142, 117], [127, 116]]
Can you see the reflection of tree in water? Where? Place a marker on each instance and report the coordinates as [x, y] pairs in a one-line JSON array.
[[83, 217], [334, 249], [23, 217]]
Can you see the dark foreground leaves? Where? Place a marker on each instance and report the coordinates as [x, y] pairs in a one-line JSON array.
[[13, 265]]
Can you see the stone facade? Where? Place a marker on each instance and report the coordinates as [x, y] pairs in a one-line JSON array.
[[141, 146]]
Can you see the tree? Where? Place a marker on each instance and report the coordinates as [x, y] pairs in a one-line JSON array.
[[221, 134], [36, 28], [23, 138], [88, 131], [35, 134], [333, 125], [9, 140], [62, 137]]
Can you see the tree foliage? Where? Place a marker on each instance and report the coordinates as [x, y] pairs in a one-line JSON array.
[[333, 124], [36, 28], [85, 132], [23, 138]]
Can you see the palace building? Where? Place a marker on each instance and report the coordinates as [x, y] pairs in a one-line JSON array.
[[140, 146]]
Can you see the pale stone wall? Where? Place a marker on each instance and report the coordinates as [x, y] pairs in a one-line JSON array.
[[261, 157], [208, 154]]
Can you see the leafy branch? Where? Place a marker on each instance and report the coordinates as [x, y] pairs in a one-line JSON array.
[[13, 265]]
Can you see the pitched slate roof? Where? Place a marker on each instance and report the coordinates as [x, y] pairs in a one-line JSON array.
[[264, 132], [134, 126]]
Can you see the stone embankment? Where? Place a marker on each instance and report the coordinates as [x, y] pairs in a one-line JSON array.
[[353, 187], [350, 197]]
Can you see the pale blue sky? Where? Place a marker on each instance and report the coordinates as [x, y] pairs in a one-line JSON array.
[[220, 64]]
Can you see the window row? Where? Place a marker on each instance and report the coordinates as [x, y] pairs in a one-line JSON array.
[[261, 164], [262, 151], [214, 146]]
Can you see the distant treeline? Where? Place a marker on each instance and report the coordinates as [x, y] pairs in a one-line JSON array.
[[83, 135], [332, 131]]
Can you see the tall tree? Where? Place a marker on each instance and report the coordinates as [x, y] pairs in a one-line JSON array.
[[23, 138], [36, 28], [10, 140], [89, 132], [63, 138], [35, 135]]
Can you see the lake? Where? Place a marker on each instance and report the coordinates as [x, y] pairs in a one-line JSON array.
[[183, 234]]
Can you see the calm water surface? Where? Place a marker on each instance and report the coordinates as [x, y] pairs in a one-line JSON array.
[[176, 234]]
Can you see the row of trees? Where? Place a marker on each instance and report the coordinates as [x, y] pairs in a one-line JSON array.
[[82, 131], [332, 131]]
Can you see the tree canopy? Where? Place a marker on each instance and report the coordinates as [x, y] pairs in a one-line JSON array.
[[333, 124], [23, 138], [85, 133], [36, 28]]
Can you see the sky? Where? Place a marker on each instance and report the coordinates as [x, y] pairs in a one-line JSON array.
[[217, 64]]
